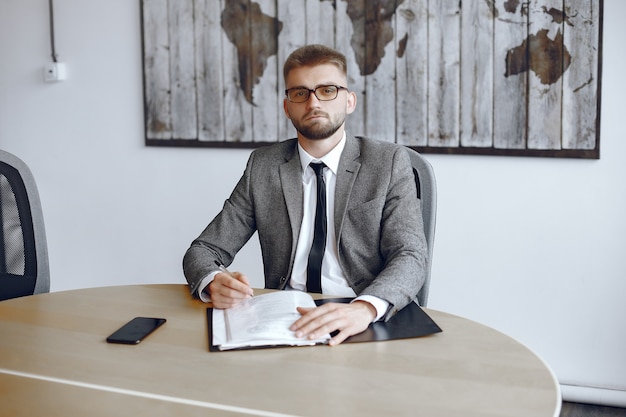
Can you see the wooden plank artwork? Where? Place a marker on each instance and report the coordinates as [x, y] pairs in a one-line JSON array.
[[492, 77]]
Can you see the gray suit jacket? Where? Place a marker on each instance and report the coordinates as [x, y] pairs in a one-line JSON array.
[[378, 222]]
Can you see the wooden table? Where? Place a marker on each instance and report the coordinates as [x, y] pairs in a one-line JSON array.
[[54, 361]]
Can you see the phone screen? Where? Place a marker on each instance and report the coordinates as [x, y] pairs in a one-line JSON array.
[[135, 330]]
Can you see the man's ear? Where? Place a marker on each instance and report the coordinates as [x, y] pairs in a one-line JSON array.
[[286, 109], [351, 102]]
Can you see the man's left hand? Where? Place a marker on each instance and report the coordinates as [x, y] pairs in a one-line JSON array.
[[348, 319]]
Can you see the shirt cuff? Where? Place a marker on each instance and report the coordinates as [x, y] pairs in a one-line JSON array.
[[205, 283], [379, 304]]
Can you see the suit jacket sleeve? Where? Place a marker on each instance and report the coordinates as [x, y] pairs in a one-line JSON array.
[[268, 200], [224, 236], [381, 244]]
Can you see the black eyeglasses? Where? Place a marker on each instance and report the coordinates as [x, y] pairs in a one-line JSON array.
[[323, 93]]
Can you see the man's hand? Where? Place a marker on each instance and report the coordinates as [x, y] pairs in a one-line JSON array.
[[349, 319], [229, 290]]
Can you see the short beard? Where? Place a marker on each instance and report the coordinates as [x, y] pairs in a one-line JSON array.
[[318, 133]]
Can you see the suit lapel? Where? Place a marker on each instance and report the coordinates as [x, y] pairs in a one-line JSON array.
[[291, 183], [349, 166]]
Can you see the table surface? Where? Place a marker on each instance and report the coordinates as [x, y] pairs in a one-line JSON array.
[[54, 360]]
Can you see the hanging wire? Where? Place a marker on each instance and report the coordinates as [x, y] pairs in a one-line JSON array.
[[53, 48]]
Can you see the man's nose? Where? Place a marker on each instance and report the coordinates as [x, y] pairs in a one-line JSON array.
[[313, 101]]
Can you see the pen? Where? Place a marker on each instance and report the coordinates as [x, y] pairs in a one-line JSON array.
[[226, 271]]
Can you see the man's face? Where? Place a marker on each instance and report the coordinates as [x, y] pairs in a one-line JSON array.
[[315, 119]]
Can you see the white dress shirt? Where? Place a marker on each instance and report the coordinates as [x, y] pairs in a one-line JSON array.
[[333, 280]]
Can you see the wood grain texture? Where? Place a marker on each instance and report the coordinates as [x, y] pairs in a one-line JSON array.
[[492, 77], [468, 369], [344, 32], [477, 49], [411, 89], [156, 70], [545, 84], [510, 129], [184, 114], [210, 77], [444, 26], [581, 83]]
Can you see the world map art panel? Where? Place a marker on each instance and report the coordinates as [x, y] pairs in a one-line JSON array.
[[497, 77]]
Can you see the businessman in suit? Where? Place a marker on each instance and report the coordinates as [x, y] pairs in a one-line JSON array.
[[373, 246]]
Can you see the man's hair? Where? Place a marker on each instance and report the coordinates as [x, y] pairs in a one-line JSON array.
[[312, 55]]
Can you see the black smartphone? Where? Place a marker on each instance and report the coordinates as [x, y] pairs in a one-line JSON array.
[[135, 330]]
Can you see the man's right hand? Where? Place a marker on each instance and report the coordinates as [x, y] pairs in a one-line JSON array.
[[228, 290]]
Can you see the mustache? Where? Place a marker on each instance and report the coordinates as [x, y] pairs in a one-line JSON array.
[[315, 113]]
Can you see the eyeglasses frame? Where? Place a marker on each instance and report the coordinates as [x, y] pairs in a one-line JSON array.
[[338, 87]]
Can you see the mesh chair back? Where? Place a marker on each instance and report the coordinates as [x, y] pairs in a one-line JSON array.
[[24, 266]]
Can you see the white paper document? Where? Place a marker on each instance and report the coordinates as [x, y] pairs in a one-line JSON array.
[[263, 320]]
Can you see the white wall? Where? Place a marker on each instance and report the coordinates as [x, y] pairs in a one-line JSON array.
[[534, 247]]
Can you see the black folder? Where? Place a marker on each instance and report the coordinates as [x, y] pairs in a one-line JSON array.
[[407, 323]]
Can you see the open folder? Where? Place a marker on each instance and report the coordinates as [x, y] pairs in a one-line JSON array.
[[264, 321]]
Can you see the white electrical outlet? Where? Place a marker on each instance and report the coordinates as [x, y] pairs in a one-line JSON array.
[[54, 72]]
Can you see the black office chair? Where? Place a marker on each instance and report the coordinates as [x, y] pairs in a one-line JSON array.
[[24, 268], [427, 193]]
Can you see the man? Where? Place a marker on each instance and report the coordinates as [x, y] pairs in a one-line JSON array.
[[373, 246]]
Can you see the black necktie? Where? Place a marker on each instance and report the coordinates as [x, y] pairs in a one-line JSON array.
[[314, 267]]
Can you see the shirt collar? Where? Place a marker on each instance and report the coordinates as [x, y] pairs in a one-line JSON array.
[[331, 159]]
